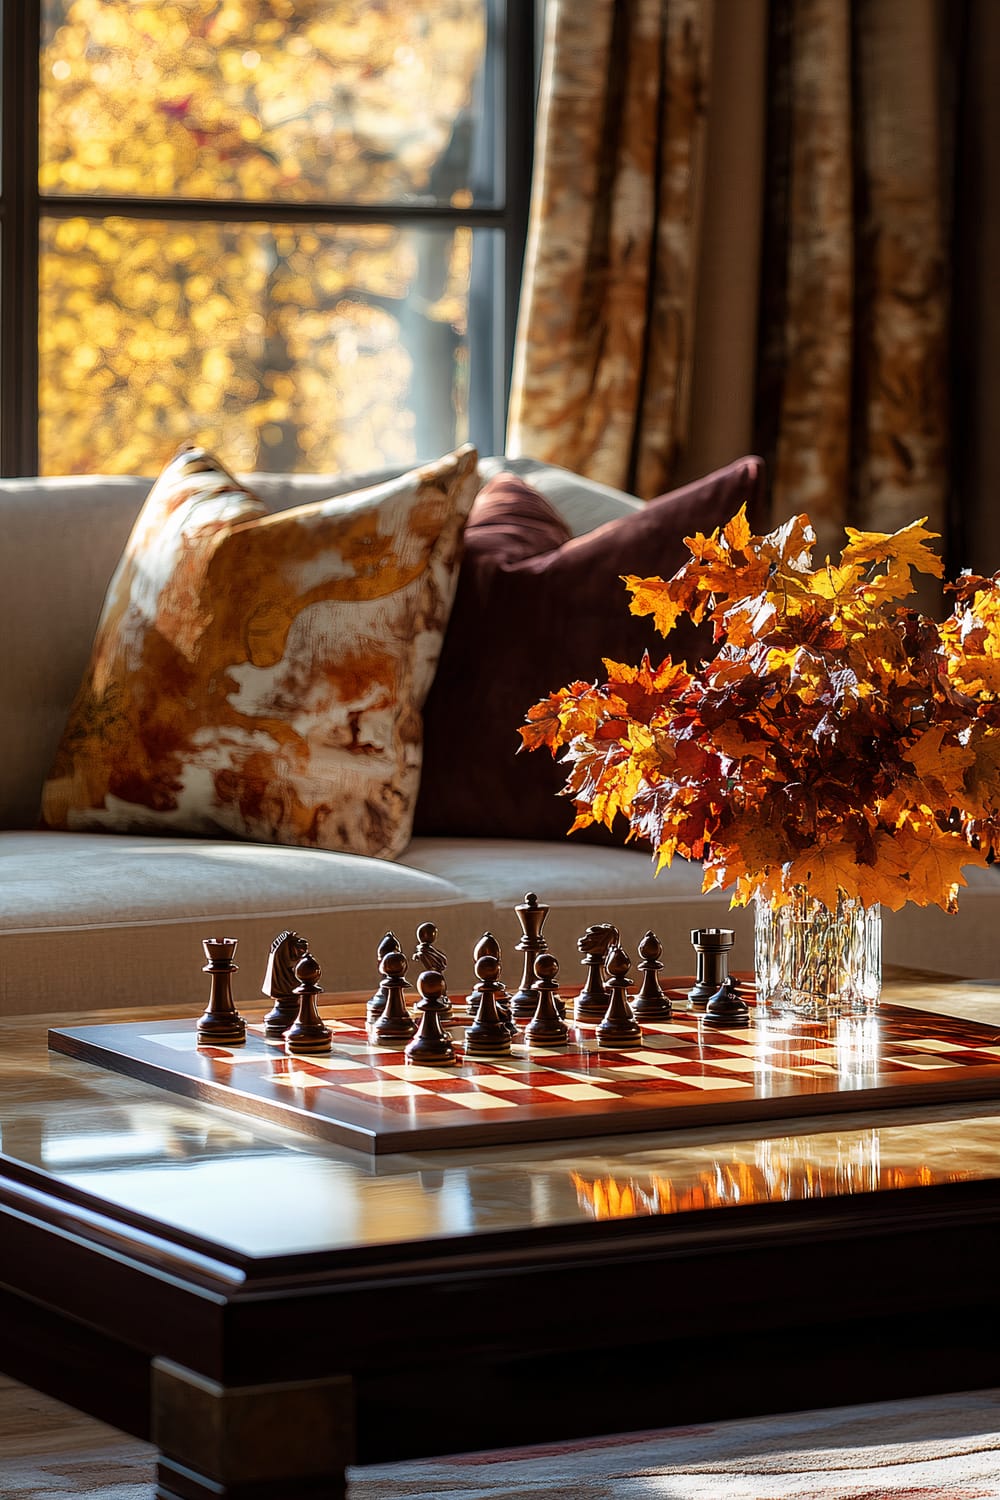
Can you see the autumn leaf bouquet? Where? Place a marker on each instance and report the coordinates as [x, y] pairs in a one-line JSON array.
[[838, 743]]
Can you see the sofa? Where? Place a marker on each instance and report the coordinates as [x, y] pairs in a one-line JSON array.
[[97, 919]]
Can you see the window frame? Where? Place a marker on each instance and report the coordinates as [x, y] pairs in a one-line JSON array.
[[511, 31]]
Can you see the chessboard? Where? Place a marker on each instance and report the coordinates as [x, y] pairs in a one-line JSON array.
[[681, 1073]]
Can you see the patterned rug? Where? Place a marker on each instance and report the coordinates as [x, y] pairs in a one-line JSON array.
[[944, 1448]]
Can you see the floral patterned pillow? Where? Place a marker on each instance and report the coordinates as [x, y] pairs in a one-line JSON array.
[[262, 676]]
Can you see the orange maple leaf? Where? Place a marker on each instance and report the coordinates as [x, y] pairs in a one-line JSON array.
[[665, 600], [790, 546], [550, 722], [825, 872], [933, 859], [943, 764], [972, 638], [983, 778], [736, 533]]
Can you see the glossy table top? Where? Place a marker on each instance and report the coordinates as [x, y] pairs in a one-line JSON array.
[[263, 1191]]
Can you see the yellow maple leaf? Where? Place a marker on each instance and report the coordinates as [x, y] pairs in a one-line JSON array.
[[661, 598], [906, 548], [971, 637], [835, 583]]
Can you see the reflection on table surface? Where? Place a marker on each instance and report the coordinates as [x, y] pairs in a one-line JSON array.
[[773, 1170], [263, 1190]]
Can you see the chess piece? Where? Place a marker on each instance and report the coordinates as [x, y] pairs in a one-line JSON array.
[[308, 1033], [619, 1027], [711, 946], [488, 1035], [432, 1044], [532, 919], [546, 1027], [395, 1024], [489, 944], [727, 1008], [376, 1005], [221, 1024], [279, 983], [592, 1001], [429, 957], [651, 1004]]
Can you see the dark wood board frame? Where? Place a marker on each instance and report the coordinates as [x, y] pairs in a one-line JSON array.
[[905, 1057]]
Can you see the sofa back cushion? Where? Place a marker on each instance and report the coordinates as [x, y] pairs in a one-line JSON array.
[[536, 609], [261, 675], [61, 541]]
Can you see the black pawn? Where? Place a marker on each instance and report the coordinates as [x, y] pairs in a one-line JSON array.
[[376, 1005], [221, 1025], [651, 1004], [432, 1044], [727, 1008], [532, 919], [491, 945], [488, 1035], [546, 1027], [395, 1024], [308, 1032], [619, 1027]]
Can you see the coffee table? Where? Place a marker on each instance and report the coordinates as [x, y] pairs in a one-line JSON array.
[[269, 1309]]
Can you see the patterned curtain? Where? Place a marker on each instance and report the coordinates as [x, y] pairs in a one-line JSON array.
[[602, 373], [853, 404], [854, 306]]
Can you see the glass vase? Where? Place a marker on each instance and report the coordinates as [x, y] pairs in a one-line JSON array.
[[815, 961]]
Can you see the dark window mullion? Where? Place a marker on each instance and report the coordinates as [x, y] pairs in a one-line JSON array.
[[519, 115], [63, 206], [19, 245]]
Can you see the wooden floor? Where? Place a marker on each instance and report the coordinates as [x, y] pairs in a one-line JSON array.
[[46, 1447], [943, 1446]]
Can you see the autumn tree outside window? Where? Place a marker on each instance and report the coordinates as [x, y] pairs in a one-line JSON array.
[[288, 229]]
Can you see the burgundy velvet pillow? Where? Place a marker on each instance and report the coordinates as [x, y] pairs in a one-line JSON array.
[[536, 609]]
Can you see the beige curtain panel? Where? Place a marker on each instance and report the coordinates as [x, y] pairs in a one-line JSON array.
[[853, 395], [852, 291], [602, 371]]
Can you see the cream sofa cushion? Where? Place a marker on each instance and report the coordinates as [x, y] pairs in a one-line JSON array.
[[262, 674], [62, 539], [95, 919]]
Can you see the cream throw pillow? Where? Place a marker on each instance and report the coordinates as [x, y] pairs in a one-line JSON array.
[[262, 675]]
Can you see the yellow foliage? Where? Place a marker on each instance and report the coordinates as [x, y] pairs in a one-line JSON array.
[[340, 102]]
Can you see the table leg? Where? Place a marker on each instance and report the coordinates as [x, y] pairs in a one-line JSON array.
[[290, 1441]]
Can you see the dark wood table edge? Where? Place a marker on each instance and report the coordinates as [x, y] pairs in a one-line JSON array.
[[643, 1324], [554, 1333]]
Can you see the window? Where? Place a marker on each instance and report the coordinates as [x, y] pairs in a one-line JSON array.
[[289, 229]]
